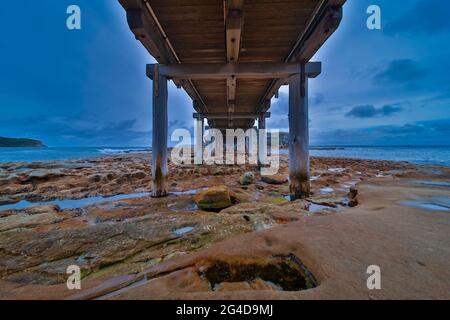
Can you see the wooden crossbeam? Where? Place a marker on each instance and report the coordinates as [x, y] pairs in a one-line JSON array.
[[233, 25], [242, 115], [234, 21], [248, 70], [322, 26], [147, 29]]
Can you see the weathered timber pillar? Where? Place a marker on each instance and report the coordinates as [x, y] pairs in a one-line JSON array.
[[262, 139], [199, 133], [159, 133], [298, 136]]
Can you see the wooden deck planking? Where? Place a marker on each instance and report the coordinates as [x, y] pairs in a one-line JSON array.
[[196, 30]]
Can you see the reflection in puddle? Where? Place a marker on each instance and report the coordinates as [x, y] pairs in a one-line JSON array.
[[188, 192], [336, 170], [433, 183], [313, 208], [182, 231], [326, 190], [188, 206], [435, 205], [78, 203]]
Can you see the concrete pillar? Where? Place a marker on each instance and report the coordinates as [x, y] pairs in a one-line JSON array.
[[159, 133], [298, 136]]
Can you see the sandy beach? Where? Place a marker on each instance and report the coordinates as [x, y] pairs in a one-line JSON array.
[[97, 213]]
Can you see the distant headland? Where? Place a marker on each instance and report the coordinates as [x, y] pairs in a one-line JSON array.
[[15, 142]]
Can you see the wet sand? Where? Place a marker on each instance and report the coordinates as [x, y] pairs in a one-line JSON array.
[[394, 215]]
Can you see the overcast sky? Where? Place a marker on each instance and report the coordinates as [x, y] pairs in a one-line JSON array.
[[88, 87]]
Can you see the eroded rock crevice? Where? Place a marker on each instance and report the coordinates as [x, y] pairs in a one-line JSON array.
[[287, 273]]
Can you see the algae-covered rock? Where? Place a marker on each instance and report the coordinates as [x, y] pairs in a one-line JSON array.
[[248, 208], [215, 198], [247, 178]]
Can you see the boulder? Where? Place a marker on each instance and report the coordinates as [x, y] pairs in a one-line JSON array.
[[247, 178], [353, 197], [215, 198], [275, 179]]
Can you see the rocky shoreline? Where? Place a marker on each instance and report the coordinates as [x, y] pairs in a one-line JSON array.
[[123, 238]]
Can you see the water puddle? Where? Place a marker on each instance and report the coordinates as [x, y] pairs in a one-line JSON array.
[[188, 192], [433, 183], [336, 170], [314, 208], [79, 203], [76, 203], [182, 231], [177, 207], [326, 190], [435, 204]]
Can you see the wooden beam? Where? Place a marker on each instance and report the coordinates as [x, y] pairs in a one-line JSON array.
[[149, 32], [312, 69], [324, 23], [248, 70], [234, 22], [159, 136], [298, 137], [241, 115], [233, 25]]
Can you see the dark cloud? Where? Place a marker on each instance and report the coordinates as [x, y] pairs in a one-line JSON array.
[[177, 124], [77, 131], [405, 71], [428, 17], [433, 132], [369, 111], [317, 100]]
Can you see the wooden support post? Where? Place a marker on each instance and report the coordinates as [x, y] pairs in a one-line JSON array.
[[199, 131], [231, 97], [159, 133], [262, 139], [298, 136]]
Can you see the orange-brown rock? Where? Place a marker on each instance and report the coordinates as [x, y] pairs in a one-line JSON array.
[[215, 198], [275, 179]]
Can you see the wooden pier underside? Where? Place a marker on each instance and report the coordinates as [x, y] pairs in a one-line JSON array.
[[231, 57], [238, 31]]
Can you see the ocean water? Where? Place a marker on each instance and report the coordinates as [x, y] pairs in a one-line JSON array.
[[61, 153], [418, 155]]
